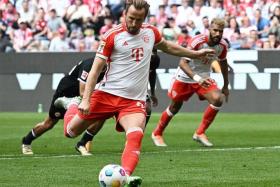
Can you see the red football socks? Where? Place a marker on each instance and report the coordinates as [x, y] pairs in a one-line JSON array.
[[165, 118], [208, 117], [131, 153]]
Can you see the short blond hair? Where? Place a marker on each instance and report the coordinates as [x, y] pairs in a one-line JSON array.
[[218, 21]]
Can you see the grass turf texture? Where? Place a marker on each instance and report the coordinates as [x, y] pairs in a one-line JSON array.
[[233, 161]]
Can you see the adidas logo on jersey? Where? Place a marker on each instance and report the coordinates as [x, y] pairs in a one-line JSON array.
[[125, 43]]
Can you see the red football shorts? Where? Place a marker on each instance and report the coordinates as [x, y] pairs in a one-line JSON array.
[[104, 105], [180, 91]]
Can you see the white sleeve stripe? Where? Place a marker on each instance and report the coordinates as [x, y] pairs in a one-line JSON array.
[[107, 34], [102, 56], [196, 41], [81, 80]]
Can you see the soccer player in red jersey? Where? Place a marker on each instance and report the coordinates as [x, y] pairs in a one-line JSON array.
[[193, 76], [126, 49]]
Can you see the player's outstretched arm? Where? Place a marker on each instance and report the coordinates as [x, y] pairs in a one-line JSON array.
[[94, 73], [177, 50]]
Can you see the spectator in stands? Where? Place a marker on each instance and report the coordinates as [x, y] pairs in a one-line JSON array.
[[76, 38], [232, 32], [40, 29], [263, 5], [196, 16], [152, 20], [272, 5], [59, 5], [275, 26], [276, 11], [60, 43], [184, 38], [161, 16], [274, 43], [39, 32], [5, 43], [184, 11], [3, 24], [170, 31], [174, 12], [116, 7], [95, 6], [54, 23], [76, 14], [22, 37], [266, 45], [261, 23], [214, 10], [203, 8], [192, 29], [26, 12], [252, 42], [108, 24], [246, 27], [206, 25], [9, 13], [91, 44]]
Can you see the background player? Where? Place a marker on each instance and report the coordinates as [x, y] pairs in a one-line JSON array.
[[193, 76], [71, 85]]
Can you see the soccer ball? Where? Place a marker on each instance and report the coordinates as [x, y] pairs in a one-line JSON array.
[[112, 175]]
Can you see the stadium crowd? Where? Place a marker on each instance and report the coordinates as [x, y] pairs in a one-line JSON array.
[[78, 25]]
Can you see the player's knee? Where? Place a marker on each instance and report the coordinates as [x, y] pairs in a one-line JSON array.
[[217, 99], [69, 133], [173, 110], [134, 135]]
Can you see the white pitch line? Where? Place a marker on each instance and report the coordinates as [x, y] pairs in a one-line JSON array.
[[17, 157]]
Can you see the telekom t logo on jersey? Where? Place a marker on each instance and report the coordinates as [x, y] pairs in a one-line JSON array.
[[137, 54]]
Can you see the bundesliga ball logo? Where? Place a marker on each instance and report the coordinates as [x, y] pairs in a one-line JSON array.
[[112, 175]]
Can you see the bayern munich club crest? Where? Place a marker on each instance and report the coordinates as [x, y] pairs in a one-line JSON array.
[[146, 38]]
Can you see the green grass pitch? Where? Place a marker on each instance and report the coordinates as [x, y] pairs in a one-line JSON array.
[[246, 153]]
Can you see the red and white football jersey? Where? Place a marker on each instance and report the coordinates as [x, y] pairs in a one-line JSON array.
[[202, 68], [128, 58]]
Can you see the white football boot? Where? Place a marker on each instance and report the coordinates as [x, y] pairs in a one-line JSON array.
[[65, 102], [202, 138], [26, 149], [83, 151], [158, 141]]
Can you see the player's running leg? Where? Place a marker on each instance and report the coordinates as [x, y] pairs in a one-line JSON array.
[[167, 115], [37, 131], [85, 143], [210, 113]]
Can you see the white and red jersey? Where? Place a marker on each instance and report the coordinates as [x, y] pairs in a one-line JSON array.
[[202, 68], [128, 58]]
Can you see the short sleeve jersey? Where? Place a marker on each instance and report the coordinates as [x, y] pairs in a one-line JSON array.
[[202, 68], [128, 60], [81, 70]]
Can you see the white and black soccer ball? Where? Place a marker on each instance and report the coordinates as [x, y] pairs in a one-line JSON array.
[[112, 175]]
